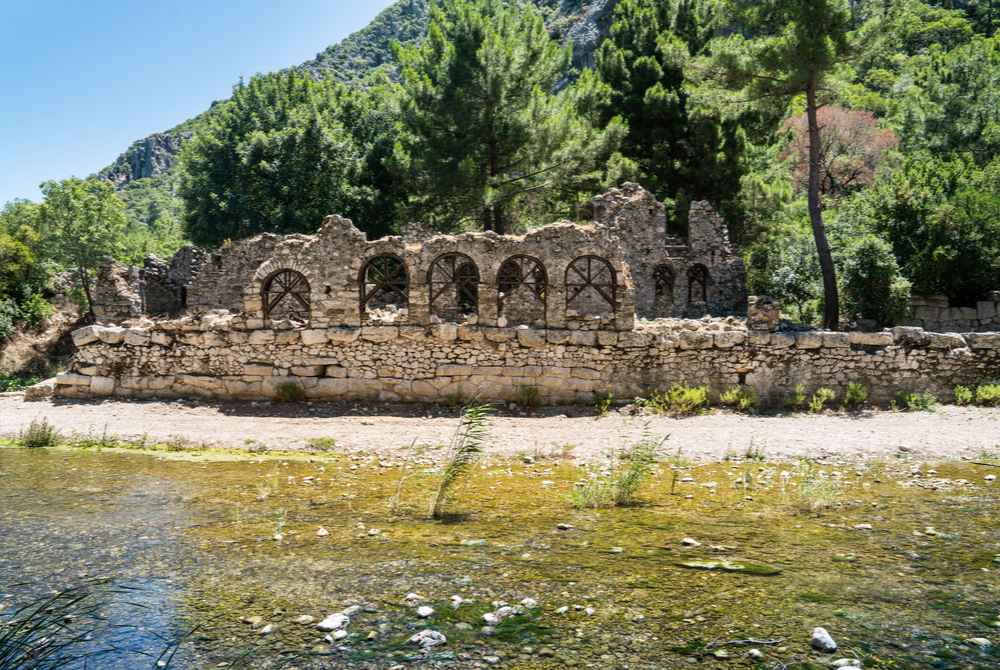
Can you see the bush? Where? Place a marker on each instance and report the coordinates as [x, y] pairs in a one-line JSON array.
[[964, 395], [988, 395], [8, 313], [38, 434], [680, 399], [797, 396], [820, 398], [528, 397], [871, 285], [291, 392], [36, 311], [856, 394], [742, 397], [915, 402]]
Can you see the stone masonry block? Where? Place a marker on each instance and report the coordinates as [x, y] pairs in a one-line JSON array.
[[928, 313], [728, 339], [454, 370], [258, 370], [286, 337], [313, 337], [342, 335], [983, 340], [782, 340], [634, 339], [969, 313], [607, 338], [379, 333], [500, 334], [326, 388], [445, 331], [986, 309], [582, 338], [72, 379], [308, 370], [557, 336], [808, 340], [112, 335], [85, 335], [262, 337], [871, 339], [696, 339], [947, 341], [102, 385], [759, 338], [837, 340], [531, 338]]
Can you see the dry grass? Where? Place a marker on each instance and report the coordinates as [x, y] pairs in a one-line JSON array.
[[41, 353]]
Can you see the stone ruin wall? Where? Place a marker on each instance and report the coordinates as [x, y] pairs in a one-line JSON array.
[[933, 313]]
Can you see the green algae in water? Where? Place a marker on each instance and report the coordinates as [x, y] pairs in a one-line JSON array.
[[745, 567]]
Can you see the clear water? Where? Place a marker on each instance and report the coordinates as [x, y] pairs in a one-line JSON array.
[[197, 542]]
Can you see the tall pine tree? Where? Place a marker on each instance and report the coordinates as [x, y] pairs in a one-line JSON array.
[[483, 132]]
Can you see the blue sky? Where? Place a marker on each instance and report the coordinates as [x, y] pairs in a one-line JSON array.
[[80, 80]]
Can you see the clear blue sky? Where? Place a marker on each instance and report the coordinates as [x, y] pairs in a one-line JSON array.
[[80, 80]]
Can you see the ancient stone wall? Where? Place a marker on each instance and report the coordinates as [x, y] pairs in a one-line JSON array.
[[932, 313], [216, 356], [116, 293]]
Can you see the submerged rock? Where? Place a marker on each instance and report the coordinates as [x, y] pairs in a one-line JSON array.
[[823, 642], [424, 612], [333, 622], [688, 542], [979, 642], [747, 567], [428, 638]]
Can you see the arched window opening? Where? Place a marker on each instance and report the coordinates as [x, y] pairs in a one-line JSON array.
[[590, 286], [698, 284], [285, 295], [522, 283], [454, 283], [385, 288], [663, 279]]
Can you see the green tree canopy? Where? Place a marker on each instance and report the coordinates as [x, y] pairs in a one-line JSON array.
[[82, 220], [482, 131], [280, 156]]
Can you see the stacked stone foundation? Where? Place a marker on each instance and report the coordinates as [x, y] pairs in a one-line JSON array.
[[447, 361]]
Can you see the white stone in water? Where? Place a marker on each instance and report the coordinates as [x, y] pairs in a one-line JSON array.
[[846, 663], [688, 542], [414, 598], [590, 611], [562, 610], [425, 612], [979, 641], [530, 603], [990, 478], [267, 629], [504, 612], [428, 638], [755, 653], [491, 619], [337, 635], [351, 611], [334, 622], [822, 641], [322, 532], [564, 526]]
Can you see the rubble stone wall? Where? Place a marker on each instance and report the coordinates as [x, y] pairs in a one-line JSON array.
[[211, 357], [933, 313]]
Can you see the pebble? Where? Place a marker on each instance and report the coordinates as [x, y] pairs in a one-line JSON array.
[[562, 610], [980, 642], [687, 480], [617, 550], [278, 537], [336, 635], [428, 638], [412, 599], [564, 526], [990, 478], [333, 622], [846, 663], [504, 612], [351, 611], [755, 653], [491, 619], [425, 612], [688, 542], [322, 532], [823, 642], [530, 603], [590, 611], [863, 526], [267, 629], [305, 620]]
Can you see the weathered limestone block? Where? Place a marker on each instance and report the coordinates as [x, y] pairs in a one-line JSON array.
[[531, 338], [262, 337], [112, 335], [209, 383], [286, 337], [499, 334], [837, 340], [445, 331], [308, 370], [696, 339], [871, 339], [969, 313], [782, 340], [947, 341], [269, 387], [336, 371], [379, 333], [950, 314], [986, 309], [759, 338], [102, 385], [582, 338], [454, 371], [927, 313], [135, 383], [213, 339], [136, 337], [363, 387], [607, 338], [808, 340], [72, 379], [313, 337], [258, 370], [415, 333], [729, 339], [85, 335], [343, 335], [557, 336], [983, 340], [250, 389], [634, 339], [45, 389], [165, 339], [470, 333], [586, 373], [763, 313], [667, 341], [191, 339]]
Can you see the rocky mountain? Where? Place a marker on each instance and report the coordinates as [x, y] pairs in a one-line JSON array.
[[359, 56]]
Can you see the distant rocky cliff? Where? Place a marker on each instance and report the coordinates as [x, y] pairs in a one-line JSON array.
[[148, 157]]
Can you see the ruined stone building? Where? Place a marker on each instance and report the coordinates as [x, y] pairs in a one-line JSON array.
[[594, 277]]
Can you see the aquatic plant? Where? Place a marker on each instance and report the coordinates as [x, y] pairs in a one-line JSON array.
[[742, 397], [618, 481], [38, 434], [463, 452], [268, 485]]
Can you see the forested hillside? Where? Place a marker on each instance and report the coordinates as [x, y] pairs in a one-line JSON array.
[[853, 147]]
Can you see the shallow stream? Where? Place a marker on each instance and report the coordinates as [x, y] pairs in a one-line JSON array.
[[196, 537]]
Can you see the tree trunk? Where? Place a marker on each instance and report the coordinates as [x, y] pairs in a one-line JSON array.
[[498, 226], [85, 278], [831, 300]]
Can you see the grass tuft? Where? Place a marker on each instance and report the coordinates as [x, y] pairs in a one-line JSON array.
[[38, 434]]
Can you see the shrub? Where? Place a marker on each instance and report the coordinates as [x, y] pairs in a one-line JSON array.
[[871, 284], [797, 396], [36, 311], [38, 434], [8, 314], [915, 402], [604, 401], [527, 396], [680, 399], [964, 395], [742, 397], [291, 392], [988, 395], [856, 394], [820, 398]]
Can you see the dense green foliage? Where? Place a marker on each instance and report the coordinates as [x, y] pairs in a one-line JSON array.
[[483, 135]]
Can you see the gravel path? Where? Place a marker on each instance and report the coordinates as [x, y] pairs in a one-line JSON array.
[[950, 432]]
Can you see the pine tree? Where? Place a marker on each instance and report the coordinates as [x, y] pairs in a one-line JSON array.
[[788, 48], [482, 130]]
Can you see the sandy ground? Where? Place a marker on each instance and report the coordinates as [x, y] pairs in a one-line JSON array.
[[950, 432]]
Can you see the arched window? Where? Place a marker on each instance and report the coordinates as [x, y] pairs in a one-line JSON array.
[[384, 284], [285, 295], [454, 283], [698, 283], [522, 283], [663, 279], [590, 286]]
